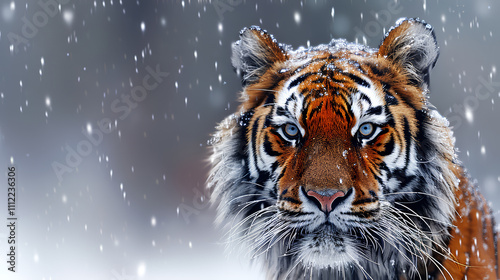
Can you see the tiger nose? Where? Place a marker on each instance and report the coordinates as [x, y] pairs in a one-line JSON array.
[[325, 199]]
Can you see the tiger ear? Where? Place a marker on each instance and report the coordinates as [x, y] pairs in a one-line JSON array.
[[412, 44], [254, 53]]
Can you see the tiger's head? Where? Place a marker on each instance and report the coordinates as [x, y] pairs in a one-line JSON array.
[[336, 164]]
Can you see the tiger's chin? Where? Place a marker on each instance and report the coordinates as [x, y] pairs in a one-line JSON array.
[[327, 247], [331, 253]]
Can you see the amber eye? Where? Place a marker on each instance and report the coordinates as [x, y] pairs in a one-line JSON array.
[[366, 130], [291, 131]]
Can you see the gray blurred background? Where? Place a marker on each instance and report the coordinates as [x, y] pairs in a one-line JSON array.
[[111, 159]]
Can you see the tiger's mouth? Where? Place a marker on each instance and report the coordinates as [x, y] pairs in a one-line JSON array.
[[326, 232], [338, 239], [328, 246]]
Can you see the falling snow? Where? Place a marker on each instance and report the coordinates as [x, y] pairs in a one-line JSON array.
[[296, 17]]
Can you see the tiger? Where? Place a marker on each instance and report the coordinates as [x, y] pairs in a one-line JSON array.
[[337, 166]]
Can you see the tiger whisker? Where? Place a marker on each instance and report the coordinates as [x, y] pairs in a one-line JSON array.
[[297, 262], [413, 223], [424, 219], [430, 195], [425, 254], [252, 217], [268, 239], [262, 89]]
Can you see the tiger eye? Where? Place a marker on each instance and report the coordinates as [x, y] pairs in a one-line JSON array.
[[366, 129], [291, 130]]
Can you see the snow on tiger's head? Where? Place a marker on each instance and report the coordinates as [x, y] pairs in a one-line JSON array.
[[330, 148]]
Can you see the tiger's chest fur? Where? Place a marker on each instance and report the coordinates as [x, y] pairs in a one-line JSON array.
[[337, 167]]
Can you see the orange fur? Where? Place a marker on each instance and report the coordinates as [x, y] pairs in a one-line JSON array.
[[472, 247]]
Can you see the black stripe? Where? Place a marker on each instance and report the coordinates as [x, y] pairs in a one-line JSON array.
[[363, 214], [374, 110], [423, 143], [264, 176], [336, 80], [289, 199], [247, 211], [267, 122], [365, 98], [246, 171], [322, 69], [347, 112], [272, 194], [295, 214], [382, 184], [318, 81], [347, 100], [390, 119], [388, 148], [306, 92], [308, 97], [342, 112], [271, 99], [332, 57], [389, 98], [255, 129], [407, 101], [275, 166], [315, 110], [242, 148], [268, 147], [383, 167], [358, 80], [280, 111], [407, 135], [400, 175], [281, 174], [299, 80], [378, 71], [364, 201], [291, 98]]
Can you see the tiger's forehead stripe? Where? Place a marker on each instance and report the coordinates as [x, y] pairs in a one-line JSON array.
[[368, 105], [360, 96], [289, 102]]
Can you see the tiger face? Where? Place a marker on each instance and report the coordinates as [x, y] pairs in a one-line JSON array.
[[336, 165]]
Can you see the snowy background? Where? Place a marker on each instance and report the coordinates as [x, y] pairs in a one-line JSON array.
[[131, 204]]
